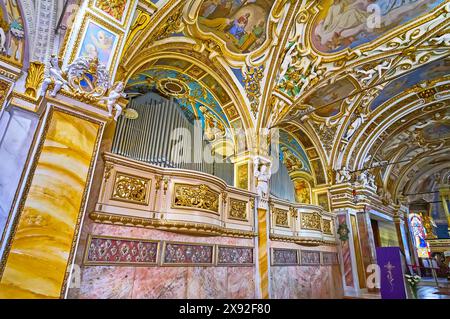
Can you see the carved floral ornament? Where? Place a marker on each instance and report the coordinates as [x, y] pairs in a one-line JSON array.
[[238, 209], [311, 221], [131, 189], [200, 197]]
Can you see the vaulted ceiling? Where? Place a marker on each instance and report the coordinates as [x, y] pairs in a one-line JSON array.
[[350, 83]]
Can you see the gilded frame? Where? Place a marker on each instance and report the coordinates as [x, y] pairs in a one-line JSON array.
[[169, 264], [90, 18], [94, 263], [148, 189], [218, 246]]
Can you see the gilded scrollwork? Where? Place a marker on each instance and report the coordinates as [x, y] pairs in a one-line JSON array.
[[327, 226], [311, 221], [196, 196], [238, 209], [281, 217], [131, 189]]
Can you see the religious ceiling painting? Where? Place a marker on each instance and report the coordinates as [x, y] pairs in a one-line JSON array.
[[342, 24], [318, 171], [98, 42], [241, 24], [292, 154], [302, 191], [437, 131], [426, 72], [328, 100], [169, 77], [12, 32]]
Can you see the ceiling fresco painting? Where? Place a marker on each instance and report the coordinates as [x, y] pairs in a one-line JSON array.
[[321, 81], [288, 147], [427, 72], [328, 100], [342, 24], [188, 92], [241, 24]]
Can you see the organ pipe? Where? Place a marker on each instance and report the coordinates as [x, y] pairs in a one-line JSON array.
[[148, 138]]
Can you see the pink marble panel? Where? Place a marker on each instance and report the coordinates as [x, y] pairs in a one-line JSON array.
[[160, 283], [106, 282], [240, 283], [206, 282]]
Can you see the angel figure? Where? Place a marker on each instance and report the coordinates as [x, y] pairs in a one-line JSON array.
[[111, 100], [343, 175], [262, 175], [56, 76]]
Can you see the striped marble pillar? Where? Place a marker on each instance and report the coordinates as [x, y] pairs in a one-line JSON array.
[[38, 258], [263, 258]]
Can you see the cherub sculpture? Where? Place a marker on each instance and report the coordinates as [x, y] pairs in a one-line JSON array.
[[111, 100], [56, 76], [343, 175]]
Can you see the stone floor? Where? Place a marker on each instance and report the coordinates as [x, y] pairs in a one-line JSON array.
[[428, 290]]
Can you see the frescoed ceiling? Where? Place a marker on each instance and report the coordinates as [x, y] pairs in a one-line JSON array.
[[188, 84], [338, 75], [345, 24]]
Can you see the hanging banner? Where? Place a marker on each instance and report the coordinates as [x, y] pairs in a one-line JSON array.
[[392, 279], [419, 235]]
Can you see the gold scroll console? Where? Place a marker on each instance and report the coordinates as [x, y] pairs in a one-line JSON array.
[[300, 223], [145, 195]]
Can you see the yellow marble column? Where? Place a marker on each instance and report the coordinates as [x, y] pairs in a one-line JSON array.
[[40, 251], [263, 259]]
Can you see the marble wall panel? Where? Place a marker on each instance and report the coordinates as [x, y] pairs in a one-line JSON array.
[[174, 281], [17, 129], [44, 235]]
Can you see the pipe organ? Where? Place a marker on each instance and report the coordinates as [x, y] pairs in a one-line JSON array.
[[164, 135], [281, 185]]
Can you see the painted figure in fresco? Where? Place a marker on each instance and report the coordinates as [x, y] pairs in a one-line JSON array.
[[55, 76], [345, 18], [111, 100], [346, 21], [302, 194], [238, 28], [263, 176]]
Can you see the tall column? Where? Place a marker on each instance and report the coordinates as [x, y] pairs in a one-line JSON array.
[[261, 176], [37, 260]]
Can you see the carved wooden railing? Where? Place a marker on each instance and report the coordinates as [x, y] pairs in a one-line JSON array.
[[145, 195], [300, 223]]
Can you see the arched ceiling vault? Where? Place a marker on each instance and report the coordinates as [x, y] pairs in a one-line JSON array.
[[343, 77]]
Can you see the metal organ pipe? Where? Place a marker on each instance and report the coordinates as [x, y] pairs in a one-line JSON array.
[[148, 138]]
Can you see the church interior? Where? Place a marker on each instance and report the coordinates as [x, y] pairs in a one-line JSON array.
[[224, 149]]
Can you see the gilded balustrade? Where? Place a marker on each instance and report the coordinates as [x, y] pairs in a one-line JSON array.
[[300, 223], [144, 195]]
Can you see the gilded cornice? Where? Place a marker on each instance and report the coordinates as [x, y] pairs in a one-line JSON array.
[[172, 226]]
